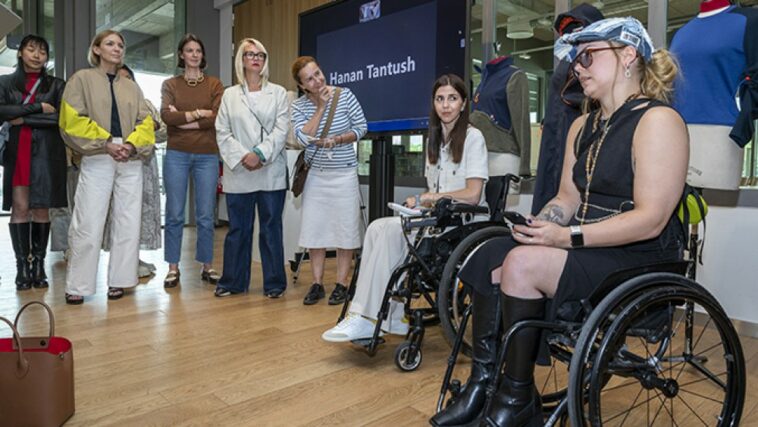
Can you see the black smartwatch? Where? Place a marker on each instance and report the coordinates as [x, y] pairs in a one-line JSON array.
[[577, 238]]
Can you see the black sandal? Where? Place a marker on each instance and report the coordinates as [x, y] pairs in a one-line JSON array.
[[115, 293], [74, 299], [172, 279]]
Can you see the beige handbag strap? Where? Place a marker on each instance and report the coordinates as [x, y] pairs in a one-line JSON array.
[[50, 316], [22, 367]]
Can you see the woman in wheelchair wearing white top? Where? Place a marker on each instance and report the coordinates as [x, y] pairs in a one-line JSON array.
[[614, 211], [456, 167]]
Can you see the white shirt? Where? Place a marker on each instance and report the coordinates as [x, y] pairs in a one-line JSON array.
[[446, 176]]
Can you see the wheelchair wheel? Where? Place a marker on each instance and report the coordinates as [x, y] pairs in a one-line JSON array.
[[452, 296], [408, 357], [667, 354]]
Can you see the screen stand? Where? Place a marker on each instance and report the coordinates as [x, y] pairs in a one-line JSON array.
[[381, 188]]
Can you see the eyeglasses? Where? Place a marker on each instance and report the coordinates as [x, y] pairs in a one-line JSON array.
[[585, 58], [255, 55]]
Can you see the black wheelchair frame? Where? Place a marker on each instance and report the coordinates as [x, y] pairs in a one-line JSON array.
[[428, 258], [638, 305]]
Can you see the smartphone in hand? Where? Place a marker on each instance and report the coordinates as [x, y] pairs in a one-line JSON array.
[[515, 218]]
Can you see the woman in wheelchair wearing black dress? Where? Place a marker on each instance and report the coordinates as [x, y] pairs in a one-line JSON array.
[[456, 167], [614, 210]]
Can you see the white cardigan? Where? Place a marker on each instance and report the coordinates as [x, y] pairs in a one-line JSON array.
[[238, 132]]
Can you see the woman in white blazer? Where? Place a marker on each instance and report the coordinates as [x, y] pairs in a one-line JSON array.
[[251, 128]]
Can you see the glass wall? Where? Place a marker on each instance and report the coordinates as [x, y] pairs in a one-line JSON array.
[[9, 43], [152, 29]]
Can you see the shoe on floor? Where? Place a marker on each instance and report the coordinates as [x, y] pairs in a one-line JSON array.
[[276, 293], [172, 279], [352, 327], [210, 276], [222, 292], [149, 266], [143, 271], [315, 293], [339, 295]]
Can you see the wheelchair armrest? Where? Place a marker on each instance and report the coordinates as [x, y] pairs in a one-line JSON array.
[[468, 208]]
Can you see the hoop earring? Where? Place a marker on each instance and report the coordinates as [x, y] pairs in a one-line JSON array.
[[628, 73]]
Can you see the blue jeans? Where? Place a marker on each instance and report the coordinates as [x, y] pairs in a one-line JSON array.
[[177, 168], [238, 245]]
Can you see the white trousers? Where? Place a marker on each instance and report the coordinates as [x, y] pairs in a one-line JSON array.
[[101, 176], [384, 248]]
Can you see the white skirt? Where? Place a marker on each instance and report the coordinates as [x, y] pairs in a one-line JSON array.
[[331, 210]]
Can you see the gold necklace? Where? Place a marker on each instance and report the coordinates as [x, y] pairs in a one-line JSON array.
[[194, 82], [594, 151]]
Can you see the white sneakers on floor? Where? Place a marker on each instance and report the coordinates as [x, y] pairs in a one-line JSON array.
[[355, 326]]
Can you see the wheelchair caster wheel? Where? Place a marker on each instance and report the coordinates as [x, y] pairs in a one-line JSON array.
[[407, 357]]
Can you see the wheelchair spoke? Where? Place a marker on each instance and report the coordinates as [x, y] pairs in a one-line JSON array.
[[616, 387], [701, 396], [663, 406], [692, 410], [634, 406]]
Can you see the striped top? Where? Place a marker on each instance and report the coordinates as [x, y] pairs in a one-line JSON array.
[[347, 117]]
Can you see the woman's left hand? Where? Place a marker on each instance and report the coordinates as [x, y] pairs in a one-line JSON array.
[[544, 233], [326, 142]]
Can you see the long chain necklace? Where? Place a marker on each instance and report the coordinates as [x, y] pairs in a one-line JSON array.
[[594, 151], [194, 82]]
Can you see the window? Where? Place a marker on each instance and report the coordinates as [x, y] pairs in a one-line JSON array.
[[152, 30], [9, 43]]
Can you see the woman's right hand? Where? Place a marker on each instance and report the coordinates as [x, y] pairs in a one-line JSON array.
[[47, 108], [324, 95], [119, 152]]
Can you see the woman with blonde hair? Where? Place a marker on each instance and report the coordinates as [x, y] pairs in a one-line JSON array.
[[105, 120], [189, 103], [623, 176], [251, 129]]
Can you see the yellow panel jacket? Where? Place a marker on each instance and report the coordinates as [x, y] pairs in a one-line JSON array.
[[85, 113]]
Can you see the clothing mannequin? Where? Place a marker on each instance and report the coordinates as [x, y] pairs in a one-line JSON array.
[[564, 105], [501, 113], [715, 51]]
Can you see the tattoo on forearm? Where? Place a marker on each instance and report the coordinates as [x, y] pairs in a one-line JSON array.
[[552, 213]]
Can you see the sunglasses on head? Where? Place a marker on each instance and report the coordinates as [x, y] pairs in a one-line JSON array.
[[585, 57]]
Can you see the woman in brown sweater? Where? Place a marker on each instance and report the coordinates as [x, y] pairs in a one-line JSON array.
[[189, 105]]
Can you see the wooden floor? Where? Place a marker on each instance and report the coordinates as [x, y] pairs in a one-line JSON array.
[[183, 357]]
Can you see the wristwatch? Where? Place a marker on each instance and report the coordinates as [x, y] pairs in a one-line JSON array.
[[577, 238]]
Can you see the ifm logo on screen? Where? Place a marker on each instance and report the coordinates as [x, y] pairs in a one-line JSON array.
[[370, 11]]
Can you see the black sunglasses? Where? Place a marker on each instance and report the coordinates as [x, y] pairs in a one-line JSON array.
[[585, 58]]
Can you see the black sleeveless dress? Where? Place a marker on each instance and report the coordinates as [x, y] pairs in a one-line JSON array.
[[611, 193]]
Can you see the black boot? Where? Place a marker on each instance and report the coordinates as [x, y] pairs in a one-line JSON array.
[[40, 233], [517, 402], [20, 238], [468, 405]]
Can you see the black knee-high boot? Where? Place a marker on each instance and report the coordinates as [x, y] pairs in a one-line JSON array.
[[469, 404], [40, 234], [20, 239], [517, 402]]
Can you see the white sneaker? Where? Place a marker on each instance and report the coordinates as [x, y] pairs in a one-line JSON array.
[[143, 270], [352, 327], [398, 326]]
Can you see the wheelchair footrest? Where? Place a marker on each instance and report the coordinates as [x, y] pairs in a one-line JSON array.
[[366, 342]]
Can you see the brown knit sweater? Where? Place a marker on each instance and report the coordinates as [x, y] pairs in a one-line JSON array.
[[205, 96]]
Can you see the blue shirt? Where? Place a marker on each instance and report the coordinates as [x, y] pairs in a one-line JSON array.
[[347, 117], [711, 55]]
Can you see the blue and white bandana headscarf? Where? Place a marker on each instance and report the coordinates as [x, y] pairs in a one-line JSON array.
[[628, 31]]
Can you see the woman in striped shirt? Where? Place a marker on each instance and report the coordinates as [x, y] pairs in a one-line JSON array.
[[331, 209]]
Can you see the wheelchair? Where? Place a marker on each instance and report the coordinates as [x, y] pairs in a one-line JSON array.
[[438, 233], [648, 347]]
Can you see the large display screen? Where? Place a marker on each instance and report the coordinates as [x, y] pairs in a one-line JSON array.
[[388, 52]]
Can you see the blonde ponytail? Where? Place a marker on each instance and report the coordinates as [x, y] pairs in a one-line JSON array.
[[658, 76]]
